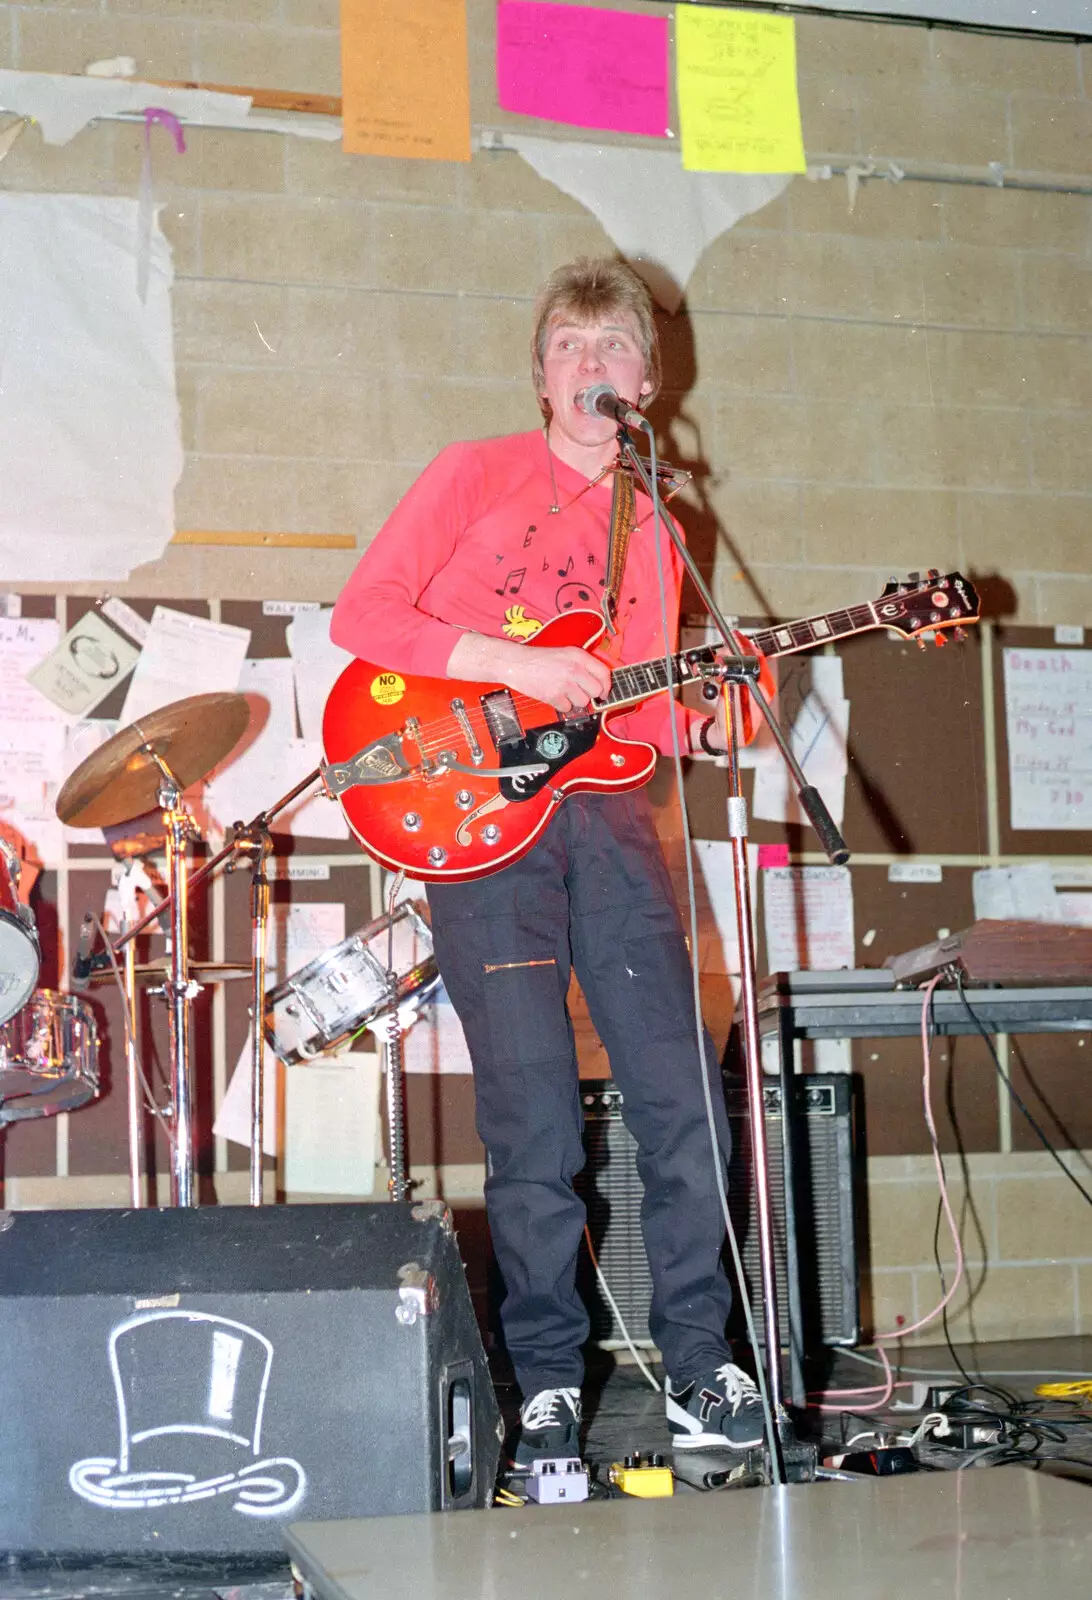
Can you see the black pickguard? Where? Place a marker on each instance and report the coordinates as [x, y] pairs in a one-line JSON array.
[[537, 745]]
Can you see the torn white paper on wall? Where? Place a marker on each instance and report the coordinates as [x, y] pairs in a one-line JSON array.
[[90, 438], [660, 217], [233, 1118], [63, 104]]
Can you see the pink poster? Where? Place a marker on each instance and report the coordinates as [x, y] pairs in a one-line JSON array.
[[594, 69]]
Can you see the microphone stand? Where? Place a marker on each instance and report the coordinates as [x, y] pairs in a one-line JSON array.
[[837, 853]]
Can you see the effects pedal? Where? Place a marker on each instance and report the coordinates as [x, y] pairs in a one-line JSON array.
[[646, 1480], [559, 1480]]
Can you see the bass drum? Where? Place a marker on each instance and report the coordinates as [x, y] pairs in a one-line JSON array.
[[19, 953], [49, 1058]]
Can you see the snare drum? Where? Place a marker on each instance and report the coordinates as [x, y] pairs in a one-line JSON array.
[[19, 956], [340, 992], [49, 1058]]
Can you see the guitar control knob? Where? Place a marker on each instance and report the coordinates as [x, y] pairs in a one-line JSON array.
[[411, 822], [436, 856], [491, 833], [464, 799]]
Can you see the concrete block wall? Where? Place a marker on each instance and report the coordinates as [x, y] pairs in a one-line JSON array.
[[903, 383]]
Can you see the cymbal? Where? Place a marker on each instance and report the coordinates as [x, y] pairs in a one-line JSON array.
[[152, 972], [120, 780]]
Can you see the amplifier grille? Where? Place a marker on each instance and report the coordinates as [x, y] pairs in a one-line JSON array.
[[823, 1185]]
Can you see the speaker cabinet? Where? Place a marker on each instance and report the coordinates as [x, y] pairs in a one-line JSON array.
[[190, 1381], [824, 1212]]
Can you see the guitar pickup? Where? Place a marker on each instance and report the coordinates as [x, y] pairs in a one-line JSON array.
[[382, 761]]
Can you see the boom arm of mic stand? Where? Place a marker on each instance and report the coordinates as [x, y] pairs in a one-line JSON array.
[[811, 801], [260, 822]]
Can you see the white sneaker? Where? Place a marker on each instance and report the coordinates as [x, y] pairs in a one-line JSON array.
[[549, 1426], [722, 1409]]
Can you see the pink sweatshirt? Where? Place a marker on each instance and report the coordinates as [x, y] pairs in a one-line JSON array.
[[473, 545]]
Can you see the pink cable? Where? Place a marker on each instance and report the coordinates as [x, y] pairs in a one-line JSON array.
[[830, 1399]]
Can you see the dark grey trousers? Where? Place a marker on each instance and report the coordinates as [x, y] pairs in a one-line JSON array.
[[593, 894]]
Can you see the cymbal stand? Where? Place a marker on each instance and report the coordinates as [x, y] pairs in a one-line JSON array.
[[179, 828], [252, 842]]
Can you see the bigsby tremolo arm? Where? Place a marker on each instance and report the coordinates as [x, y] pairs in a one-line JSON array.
[[384, 761]]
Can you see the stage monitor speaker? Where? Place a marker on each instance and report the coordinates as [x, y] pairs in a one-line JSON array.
[[190, 1381], [823, 1183]]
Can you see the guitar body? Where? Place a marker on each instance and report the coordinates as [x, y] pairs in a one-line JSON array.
[[450, 826], [449, 781]]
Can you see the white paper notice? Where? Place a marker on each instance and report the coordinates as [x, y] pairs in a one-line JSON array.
[[715, 893], [24, 644], [1020, 894], [808, 913], [90, 661], [317, 663], [1048, 709], [1075, 909], [301, 932], [436, 1042], [233, 1118], [31, 767], [331, 1125], [184, 656], [811, 704], [90, 438], [273, 762]]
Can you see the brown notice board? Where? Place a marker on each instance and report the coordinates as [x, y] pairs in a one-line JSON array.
[[916, 786]]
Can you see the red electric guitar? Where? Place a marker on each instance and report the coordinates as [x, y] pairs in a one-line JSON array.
[[450, 781]]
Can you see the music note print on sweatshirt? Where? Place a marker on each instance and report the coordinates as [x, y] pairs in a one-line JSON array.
[[563, 572], [513, 583]]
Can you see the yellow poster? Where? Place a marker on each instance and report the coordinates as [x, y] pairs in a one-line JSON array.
[[405, 79], [738, 106]]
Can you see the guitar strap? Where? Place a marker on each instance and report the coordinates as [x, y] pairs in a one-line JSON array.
[[623, 510]]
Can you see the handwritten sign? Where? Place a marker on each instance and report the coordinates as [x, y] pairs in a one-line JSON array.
[[1048, 709], [738, 105], [808, 913], [591, 68], [405, 79]]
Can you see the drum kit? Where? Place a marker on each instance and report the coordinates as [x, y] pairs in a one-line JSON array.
[[48, 1039]]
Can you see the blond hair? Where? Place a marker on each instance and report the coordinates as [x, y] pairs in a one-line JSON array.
[[591, 289]]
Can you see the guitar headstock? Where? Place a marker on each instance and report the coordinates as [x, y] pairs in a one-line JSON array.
[[928, 602]]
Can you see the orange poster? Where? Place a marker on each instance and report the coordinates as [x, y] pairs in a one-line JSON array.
[[405, 82]]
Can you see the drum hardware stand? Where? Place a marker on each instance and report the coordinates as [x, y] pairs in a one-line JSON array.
[[252, 842], [398, 1184], [740, 670], [179, 827]]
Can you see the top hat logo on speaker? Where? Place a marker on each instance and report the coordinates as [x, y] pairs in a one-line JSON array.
[[191, 1391]]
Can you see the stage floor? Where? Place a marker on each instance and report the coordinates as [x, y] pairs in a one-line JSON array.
[[981, 1535], [751, 1535]]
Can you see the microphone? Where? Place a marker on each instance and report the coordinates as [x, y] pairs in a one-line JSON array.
[[81, 967], [603, 401]]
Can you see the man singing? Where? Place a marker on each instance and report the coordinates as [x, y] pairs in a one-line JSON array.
[[496, 537]]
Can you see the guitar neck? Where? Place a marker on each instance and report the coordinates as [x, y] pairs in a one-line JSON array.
[[646, 678]]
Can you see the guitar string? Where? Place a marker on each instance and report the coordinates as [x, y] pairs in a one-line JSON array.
[[435, 736]]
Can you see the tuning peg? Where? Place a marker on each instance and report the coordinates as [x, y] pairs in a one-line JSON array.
[[959, 634], [933, 574], [940, 640], [920, 642]]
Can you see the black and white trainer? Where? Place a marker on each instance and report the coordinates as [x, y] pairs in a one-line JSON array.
[[723, 1409], [549, 1427]]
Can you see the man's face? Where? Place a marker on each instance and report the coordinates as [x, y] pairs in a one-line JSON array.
[[578, 355]]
